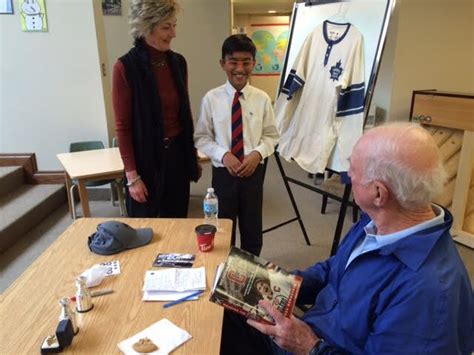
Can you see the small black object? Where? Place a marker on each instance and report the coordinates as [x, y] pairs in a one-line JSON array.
[[174, 260], [64, 332]]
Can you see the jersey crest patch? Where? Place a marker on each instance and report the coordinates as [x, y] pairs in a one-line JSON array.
[[336, 71]]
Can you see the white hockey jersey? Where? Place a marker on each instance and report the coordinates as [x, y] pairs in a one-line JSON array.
[[320, 108]]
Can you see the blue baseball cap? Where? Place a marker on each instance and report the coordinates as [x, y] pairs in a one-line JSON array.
[[112, 237]]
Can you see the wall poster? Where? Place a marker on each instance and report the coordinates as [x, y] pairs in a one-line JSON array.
[[33, 16], [112, 7], [271, 41], [6, 7]]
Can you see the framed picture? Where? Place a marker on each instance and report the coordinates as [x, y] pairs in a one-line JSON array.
[[271, 41], [112, 7], [6, 7], [33, 16]]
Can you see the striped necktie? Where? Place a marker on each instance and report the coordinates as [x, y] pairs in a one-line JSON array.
[[237, 132]]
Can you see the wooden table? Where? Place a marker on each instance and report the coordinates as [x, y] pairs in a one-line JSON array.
[[91, 165], [29, 308]]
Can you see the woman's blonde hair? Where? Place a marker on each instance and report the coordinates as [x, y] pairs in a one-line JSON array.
[[146, 14]]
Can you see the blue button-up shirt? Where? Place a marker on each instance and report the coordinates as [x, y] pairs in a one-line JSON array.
[[412, 296], [374, 241]]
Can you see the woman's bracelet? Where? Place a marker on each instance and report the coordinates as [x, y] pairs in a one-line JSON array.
[[131, 182]]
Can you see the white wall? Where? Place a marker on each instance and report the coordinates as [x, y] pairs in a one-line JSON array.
[[383, 85], [202, 27], [117, 36], [50, 87], [434, 50], [51, 92]]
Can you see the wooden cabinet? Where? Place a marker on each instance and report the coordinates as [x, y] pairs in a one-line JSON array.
[[444, 109], [449, 117]]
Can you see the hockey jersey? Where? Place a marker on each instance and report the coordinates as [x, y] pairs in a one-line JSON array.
[[320, 108]]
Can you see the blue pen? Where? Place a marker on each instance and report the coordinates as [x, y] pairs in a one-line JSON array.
[[172, 303]]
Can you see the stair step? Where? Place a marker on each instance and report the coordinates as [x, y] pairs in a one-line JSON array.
[[11, 178], [24, 208]]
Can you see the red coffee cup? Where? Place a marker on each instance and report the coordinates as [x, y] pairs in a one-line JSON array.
[[205, 237]]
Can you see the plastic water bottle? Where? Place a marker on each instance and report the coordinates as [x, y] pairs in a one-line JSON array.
[[211, 207]]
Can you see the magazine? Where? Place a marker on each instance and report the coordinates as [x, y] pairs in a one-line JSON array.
[[245, 279]]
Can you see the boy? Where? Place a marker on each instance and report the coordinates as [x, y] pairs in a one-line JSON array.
[[237, 130]]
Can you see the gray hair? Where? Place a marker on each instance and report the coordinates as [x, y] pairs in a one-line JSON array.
[[146, 14], [411, 186]]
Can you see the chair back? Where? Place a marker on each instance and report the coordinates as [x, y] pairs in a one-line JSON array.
[[85, 145]]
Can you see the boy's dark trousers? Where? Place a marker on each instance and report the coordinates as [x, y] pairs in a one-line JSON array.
[[241, 199]]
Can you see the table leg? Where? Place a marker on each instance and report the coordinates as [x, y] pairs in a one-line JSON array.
[[68, 189], [123, 210], [84, 199]]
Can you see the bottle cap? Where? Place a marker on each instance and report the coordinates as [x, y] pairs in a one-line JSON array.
[[210, 189]]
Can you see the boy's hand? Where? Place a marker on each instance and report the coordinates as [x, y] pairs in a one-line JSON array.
[[249, 164], [291, 334], [231, 162]]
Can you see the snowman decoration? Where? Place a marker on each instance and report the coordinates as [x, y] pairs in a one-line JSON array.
[[31, 11]]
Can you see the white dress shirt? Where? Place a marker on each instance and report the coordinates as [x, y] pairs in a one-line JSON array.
[[213, 132]]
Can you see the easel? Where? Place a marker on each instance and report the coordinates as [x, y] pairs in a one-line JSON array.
[[345, 201], [302, 21]]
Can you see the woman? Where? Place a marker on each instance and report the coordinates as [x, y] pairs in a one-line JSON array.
[[153, 115]]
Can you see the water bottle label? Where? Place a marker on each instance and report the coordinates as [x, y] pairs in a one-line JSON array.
[[210, 208]]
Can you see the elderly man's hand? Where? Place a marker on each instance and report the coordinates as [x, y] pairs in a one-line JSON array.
[[290, 334]]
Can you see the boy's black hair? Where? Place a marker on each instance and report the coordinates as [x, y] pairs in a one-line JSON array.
[[238, 43]]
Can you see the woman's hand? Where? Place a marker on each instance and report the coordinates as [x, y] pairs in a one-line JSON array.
[[137, 190]]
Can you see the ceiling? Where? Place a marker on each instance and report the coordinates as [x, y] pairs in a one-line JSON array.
[[254, 7]]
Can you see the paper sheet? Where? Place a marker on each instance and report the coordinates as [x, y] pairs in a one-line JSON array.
[[177, 280], [166, 295], [165, 334]]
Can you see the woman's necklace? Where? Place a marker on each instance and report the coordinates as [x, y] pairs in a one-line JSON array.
[[159, 63]]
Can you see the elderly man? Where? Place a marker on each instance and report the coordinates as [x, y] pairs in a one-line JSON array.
[[397, 284]]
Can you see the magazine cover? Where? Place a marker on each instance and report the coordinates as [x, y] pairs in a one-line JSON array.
[[244, 279]]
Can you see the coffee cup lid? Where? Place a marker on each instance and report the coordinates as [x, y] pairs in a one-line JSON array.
[[206, 229]]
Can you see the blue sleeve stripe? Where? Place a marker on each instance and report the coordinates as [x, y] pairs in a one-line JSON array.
[[345, 179], [351, 100], [353, 88], [293, 83], [350, 112]]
